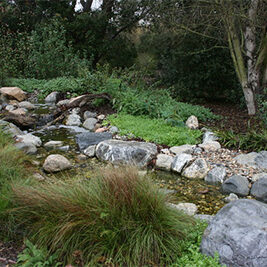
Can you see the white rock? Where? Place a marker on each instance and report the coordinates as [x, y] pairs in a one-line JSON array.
[[51, 98], [198, 169], [188, 208], [19, 111], [188, 149], [38, 176], [29, 139], [192, 122], [164, 161], [230, 198], [101, 117], [210, 146], [209, 137], [73, 120], [27, 105], [90, 151], [63, 102], [56, 163], [10, 108], [180, 162], [53, 144]]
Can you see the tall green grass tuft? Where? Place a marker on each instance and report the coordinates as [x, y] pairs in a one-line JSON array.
[[12, 168], [116, 217]]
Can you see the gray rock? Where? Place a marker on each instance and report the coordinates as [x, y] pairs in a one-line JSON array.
[[259, 189], [73, 120], [257, 176], [64, 148], [56, 163], [29, 139], [9, 108], [88, 114], [192, 122], [180, 162], [131, 153], [210, 146], [113, 130], [90, 123], [51, 98], [84, 140], [261, 160], [10, 128], [53, 144], [238, 233], [188, 208], [197, 150], [26, 105], [90, 151], [247, 159], [209, 137], [64, 102], [197, 170], [27, 148], [236, 184], [38, 176], [164, 161], [81, 157], [204, 217], [216, 175], [230, 198], [188, 149]]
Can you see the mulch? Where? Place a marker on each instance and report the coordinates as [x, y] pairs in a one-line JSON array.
[[9, 252], [233, 118]]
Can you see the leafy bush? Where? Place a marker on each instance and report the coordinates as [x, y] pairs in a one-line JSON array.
[[116, 217], [51, 54], [252, 140], [262, 107], [34, 257], [154, 130]]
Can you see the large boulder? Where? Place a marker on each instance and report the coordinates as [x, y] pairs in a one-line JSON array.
[[86, 139], [197, 170], [238, 233], [13, 93], [259, 189], [56, 163], [73, 119], [126, 152], [236, 184]]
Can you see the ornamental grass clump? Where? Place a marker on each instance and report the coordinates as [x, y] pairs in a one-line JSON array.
[[116, 217]]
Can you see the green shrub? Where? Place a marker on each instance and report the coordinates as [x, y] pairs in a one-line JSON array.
[[34, 257], [252, 140], [262, 107], [154, 130], [116, 217], [190, 255]]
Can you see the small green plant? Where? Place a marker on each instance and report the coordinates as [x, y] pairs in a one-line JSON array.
[[34, 257], [116, 216], [251, 141], [190, 253], [155, 130]]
